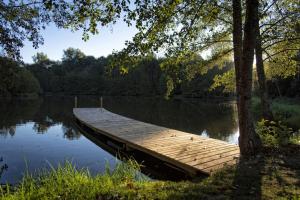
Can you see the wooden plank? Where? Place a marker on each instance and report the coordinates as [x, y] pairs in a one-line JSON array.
[[202, 150], [199, 154], [181, 140], [185, 150], [209, 157], [215, 162], [193, 153]]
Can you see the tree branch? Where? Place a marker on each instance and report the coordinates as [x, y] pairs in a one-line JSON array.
[[278, 52]]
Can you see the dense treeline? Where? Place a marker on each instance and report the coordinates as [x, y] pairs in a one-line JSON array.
[[80, 74], [16, 80], [77, 73], [284, 87]]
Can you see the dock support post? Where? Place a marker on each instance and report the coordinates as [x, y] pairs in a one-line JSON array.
[[101, 102], [75, 102]]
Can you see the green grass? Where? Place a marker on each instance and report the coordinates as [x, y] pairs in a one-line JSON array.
[[276, 134], [261, 177], [285, 110]]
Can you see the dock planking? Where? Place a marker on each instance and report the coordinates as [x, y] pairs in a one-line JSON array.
[[189, 152]]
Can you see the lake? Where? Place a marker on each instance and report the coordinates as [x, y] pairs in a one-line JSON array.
[[41, 133]]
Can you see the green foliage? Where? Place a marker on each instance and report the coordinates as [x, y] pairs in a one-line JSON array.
[[7, 75], [16, 80], [287, 111], [226, 81], [276, 134], [40, 58], [181, 27], [25, 82], [72, 54], [137, 76], [23, 20]]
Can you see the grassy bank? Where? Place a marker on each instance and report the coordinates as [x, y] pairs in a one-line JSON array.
[[284, 109], [272, 175]]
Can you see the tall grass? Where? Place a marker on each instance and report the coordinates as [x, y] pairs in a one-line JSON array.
[[67, 182], [125, 182]]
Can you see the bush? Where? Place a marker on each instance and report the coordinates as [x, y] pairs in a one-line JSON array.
[[276, 134], [285, 110]]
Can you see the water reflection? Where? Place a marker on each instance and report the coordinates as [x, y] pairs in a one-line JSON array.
[[43, 131], [43, 112], [216, 120], [5, 131], [213, 119]]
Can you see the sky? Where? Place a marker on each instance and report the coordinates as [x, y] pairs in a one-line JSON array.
[[56, 40]]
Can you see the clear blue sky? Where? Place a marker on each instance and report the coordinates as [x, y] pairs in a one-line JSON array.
[[56, 40]]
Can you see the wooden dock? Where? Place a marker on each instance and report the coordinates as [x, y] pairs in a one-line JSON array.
[[189, 152]]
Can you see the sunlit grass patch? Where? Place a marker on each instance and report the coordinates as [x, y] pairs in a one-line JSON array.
[[284, 110], [68, 182], [287, 111]]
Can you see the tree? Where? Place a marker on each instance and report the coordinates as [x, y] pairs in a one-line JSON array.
[[21, 20], [8, 70], [249, 141], [40, 58], [273, 15], [261, 75], [25, 83], [72, 54], [16, 80]]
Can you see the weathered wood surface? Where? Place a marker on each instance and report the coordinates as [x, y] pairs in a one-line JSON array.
[[187, 151]]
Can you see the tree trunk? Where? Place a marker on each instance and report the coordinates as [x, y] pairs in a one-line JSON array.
[[265, 103], [249, 141], [237, 39]]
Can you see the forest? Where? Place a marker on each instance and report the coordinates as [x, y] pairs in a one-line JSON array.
[[78, 74]]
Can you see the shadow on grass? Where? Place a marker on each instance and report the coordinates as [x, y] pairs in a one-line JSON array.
[[275, 174], [243, 181], [247, 182]]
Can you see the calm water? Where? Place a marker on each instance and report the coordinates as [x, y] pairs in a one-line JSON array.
[[39, 133]]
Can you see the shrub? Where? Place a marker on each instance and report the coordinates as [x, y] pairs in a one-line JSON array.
[[276, 134]]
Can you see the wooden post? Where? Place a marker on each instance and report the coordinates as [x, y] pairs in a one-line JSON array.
[[101, 102], [75, 101]]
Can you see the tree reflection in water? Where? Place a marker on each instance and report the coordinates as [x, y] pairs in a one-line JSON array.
[[3, 167], [44, 112], [213, 119]]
